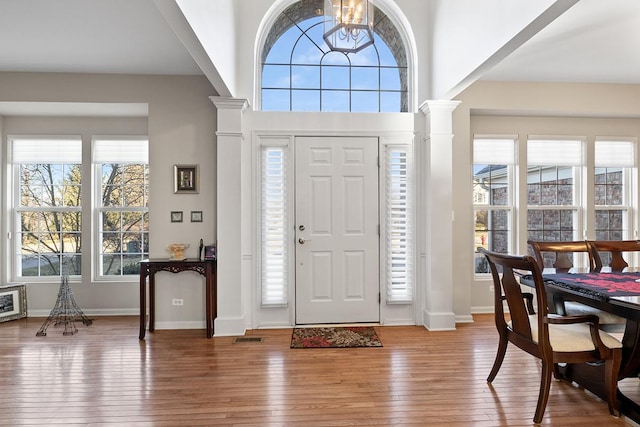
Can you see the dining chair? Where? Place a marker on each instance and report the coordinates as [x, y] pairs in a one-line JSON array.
[[559, 253], [552, 339], [563, 252], [612, 250]]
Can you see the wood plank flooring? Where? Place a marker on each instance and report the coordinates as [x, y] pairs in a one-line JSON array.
[[104, 376]]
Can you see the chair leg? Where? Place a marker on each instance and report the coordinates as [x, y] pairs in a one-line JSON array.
[[502, 350], [543, 395], [556, 372], [611, 371]]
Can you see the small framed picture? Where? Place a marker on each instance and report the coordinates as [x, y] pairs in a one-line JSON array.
[[210, 253], [185, 178], [196, 216], [13, 302], [176, 216]]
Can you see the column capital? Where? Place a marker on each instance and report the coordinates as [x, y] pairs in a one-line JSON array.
[[229, 103], [428, 107], [230, 113]]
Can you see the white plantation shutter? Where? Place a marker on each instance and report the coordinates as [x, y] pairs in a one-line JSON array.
[[274, 226], [398, 225]]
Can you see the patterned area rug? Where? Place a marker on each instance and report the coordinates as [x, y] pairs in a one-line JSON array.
[[333, 337]]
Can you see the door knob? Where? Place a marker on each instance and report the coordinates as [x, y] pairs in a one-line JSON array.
[[301, 241]]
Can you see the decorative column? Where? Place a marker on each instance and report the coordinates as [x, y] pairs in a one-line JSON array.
[[229, 227], [438, 311]]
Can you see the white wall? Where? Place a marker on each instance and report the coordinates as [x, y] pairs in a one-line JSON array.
[[180, 126], [214, 23]]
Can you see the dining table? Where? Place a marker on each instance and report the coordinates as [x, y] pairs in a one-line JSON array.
[[615, 293]]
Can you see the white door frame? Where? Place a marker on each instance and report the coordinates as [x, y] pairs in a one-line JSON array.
[[283, 315]]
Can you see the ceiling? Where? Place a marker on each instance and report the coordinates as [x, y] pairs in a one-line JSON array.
[[594, 41], [96, 36]]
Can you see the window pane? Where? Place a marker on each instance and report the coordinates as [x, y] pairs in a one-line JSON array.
[[390, 102], [307, 77], [367, 56], [276, 76], [492, 230], [491, 185], [390, 79], [305, 100], [131, 264], [111, 265], [550, 225], [364, 78], [610, 224], [609, 188], [384, 53], [305, 52], [335, 100], [110, 242], [275, 100], [365, 102], [335, 77], [550, 185], [280, 52]]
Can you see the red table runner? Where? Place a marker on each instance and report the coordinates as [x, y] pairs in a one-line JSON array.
[[599, 285]]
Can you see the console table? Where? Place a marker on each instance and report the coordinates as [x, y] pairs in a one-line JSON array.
[[149, 267]]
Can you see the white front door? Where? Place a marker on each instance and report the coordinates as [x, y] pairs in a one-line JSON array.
[[336, 230]]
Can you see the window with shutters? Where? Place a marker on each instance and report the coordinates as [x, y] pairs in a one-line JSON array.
[[554, 211], [52, 222], [122, 209], [47, 224], [493, 170], [398, 245], [275, 225], [614, 160], [614, 165]]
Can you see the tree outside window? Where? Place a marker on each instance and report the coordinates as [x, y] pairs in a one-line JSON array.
[[49, 217]]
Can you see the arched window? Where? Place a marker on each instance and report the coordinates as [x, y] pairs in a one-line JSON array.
[[301, 73]]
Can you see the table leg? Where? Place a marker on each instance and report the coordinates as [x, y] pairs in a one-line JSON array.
[[208, 295], [143, 305], [152, 302]]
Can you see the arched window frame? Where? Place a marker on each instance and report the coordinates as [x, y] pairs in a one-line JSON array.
[[390, 11]]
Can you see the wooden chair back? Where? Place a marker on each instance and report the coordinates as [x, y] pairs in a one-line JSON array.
[[534, 333], [507, 288], [614, 250], [561, 252]]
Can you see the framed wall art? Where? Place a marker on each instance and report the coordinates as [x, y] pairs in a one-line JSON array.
[[196, 216], [13, 302], [186, 178], [176, 216]]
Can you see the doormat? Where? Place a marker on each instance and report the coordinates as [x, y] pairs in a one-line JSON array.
[[335, 337]]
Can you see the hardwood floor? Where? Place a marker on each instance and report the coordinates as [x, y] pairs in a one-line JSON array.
[[104, 376]]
